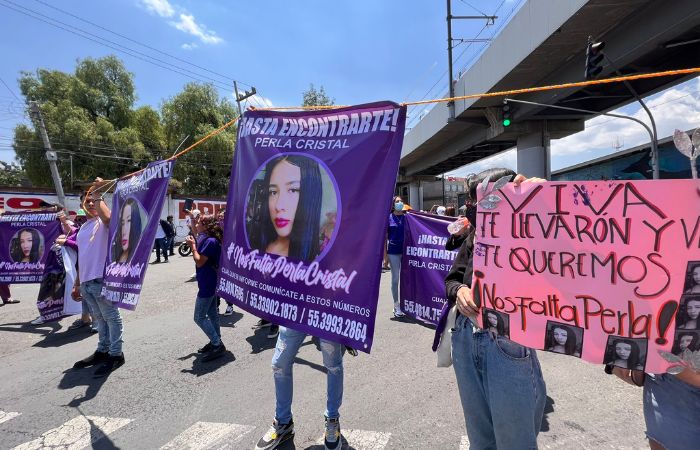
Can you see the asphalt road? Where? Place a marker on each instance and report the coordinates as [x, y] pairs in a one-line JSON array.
[[395, 398]]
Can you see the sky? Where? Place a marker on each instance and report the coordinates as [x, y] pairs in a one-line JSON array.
[[359, 51]]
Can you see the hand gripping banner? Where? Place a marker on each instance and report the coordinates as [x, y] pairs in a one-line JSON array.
[[136, 207], [25, 243], [606, 271], [306, 217], [424, 266]]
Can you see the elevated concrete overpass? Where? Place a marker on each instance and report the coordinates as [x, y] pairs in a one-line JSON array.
[[545, 43]]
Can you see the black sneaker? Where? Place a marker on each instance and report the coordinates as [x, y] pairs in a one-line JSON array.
[[332, 438], [274, 331], [109, 366], [92, 360], [262, 323], [206, 348], [217, 351], [277, 434]]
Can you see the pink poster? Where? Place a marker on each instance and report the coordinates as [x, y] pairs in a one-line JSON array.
[[606, 271]]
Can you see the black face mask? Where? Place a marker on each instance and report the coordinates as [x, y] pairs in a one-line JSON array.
[[470, 214]]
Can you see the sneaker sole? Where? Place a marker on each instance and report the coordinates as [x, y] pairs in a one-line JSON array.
[[284, 439]]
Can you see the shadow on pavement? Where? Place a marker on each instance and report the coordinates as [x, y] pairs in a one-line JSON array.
[[100, 441], [45, 329], [259, 342], [548, 408], [289, 445], [82, 377], [68, 337], [230, 321], [200, 367], [319, 367]]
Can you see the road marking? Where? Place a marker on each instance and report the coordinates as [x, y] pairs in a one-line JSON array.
[[364, 440], [76, 434], [5, 416], [207, 435], [464, 443]]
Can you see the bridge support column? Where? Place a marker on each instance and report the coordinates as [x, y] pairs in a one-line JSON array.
[[415, 195], [533, 154]]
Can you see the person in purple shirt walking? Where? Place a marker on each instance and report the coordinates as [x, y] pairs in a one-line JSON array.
[[206, 251], [93, 243], [394, 249]]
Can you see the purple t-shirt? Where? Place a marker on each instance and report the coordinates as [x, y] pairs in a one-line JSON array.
[[395, 234], [93, 243], [206, 275]]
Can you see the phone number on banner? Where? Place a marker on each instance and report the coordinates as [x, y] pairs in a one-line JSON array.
[[316, 319]]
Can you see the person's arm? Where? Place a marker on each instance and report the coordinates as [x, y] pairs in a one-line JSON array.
[[64, 223], [458, 280], [199, 259], [102, 209]]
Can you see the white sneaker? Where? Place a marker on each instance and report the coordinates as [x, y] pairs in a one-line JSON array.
[[229, 311], [37, 321], [398, 313]]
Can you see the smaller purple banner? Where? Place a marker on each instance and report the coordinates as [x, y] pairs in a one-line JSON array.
[[52, 288], [136, 207], [424, 265], [25, 243]]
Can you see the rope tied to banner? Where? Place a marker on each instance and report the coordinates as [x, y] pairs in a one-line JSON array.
[[620, 79]]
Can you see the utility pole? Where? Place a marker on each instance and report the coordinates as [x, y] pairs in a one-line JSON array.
[[240, 98], [51, 156], [489, 21]]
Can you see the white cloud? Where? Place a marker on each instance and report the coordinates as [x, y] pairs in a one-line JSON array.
[[674, 108], [188, 25], [160, 7], [185, 22], [191, 46]]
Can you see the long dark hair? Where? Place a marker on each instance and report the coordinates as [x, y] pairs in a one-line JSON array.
[[500, 325], [693, 346], [304, 238], [569, 345], [211, 226], [134, 231], [689, 282], [16, 249], [683, 316], [632, 362]]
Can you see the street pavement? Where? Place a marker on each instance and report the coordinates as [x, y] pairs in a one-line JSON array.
[[164, 397]]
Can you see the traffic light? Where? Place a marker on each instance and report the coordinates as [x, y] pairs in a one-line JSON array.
[[507, 114], [594, 58]]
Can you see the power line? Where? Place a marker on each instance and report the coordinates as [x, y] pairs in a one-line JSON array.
[[98, 40], [474, 7], [11, 91], [139, 43]]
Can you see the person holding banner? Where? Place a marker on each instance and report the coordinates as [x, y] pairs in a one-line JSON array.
[[500, 382], [5, 295], [93, 246], [394, 250], [206, 254]]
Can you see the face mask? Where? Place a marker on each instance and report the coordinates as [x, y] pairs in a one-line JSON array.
[[398, 206], [470, 214]]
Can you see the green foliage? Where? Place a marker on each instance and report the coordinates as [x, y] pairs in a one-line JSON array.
[[11, 174], [195, 112], [90, 118], [316, 97]]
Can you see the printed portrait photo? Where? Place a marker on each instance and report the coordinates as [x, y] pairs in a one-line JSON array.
[[129, 229], [292, 208], [626, 353], [692, 278], [27, 246], [689, 340], [496, 322], [563, 338], [688, 312]]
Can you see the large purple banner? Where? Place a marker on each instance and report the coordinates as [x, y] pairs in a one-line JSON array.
[[136, 207], [49, 302], [424, 265], [25, 242], [306, 217]]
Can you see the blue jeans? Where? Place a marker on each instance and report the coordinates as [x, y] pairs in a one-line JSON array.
[[106, 316], [206, 316], [288, 344], [395, 262], [162, 245], [672, 411], [501, 387]]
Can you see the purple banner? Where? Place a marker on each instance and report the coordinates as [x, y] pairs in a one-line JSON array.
[[52, 287], [424, 265], [306, 217], [136, 207], [25, 243]]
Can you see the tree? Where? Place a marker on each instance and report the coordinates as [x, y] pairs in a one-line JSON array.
[[195, 112], [313, 97], [89, 118], [11, 174]]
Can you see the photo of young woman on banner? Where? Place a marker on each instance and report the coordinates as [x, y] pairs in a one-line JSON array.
[[298, 248], [25, 239]]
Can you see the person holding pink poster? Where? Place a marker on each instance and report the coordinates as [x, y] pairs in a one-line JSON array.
[[500, 382]]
